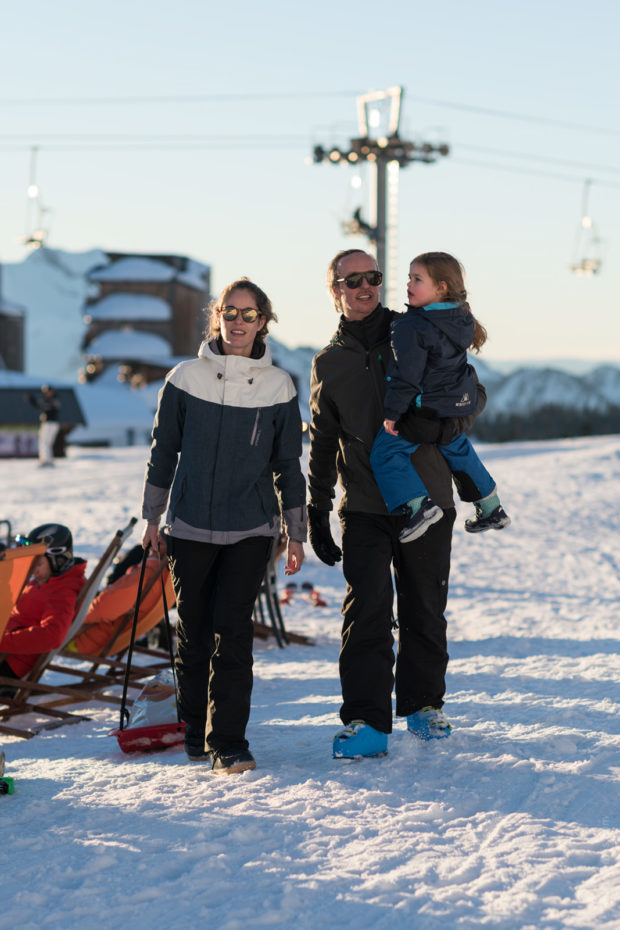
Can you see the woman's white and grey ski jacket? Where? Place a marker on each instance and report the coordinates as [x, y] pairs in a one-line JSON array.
[[226, 449]]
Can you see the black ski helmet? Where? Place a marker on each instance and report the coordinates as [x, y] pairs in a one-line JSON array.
[[59, 542]]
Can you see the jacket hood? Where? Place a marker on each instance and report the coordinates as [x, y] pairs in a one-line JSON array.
[[454, 320], [231, 363]]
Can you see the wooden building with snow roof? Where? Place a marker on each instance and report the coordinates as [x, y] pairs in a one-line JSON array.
[[145, 315]]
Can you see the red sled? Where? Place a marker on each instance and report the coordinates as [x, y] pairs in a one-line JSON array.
[[154, 735], [147, 739]]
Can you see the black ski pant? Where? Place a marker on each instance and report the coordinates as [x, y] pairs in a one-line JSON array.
[[216, 587], [370, 546]]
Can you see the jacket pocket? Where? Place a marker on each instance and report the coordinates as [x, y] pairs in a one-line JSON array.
[[349, 461]]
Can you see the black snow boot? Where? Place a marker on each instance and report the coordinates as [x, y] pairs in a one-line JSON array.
[[227, 762]]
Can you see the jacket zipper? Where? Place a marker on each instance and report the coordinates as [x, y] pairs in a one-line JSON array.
[[255, 430]]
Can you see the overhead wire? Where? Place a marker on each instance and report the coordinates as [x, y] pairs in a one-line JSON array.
[[173, 98], [238, 97], [62, 142], [522, 117], [528, 156], [533, 172]]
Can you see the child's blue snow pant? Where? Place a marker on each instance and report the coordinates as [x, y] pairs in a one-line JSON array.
[[398, 480]]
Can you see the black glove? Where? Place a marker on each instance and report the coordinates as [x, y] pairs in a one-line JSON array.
[[321, 538]]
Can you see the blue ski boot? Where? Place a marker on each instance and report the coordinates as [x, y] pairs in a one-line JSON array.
[[359, 739], [429, 723]]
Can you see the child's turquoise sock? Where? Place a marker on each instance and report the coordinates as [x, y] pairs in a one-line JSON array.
[[487, 505], [414, 504]]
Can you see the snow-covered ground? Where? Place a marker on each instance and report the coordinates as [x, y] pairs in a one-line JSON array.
[[512, 823]]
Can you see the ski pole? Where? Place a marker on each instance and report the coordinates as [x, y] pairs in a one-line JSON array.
[[170, 653], [124, 711]]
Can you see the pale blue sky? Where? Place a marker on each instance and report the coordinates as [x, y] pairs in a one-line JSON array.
[[244, 201]]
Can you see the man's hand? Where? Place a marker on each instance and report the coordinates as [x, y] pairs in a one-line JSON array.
[[388, 426], [321, 538]]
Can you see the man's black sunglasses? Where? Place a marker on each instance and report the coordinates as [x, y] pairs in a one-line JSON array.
[[373, 278]]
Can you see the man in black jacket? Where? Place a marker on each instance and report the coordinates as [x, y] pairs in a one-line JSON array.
[[348, 385]]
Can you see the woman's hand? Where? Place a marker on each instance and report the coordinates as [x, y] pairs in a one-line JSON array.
[[388, 426], [294, 557], [151, 537]]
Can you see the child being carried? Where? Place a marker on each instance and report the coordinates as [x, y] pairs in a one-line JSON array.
[[429, 369]]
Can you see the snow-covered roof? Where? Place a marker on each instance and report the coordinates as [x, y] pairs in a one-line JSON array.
[[121, 306], [139, 268], [127, 343], [134, 268]]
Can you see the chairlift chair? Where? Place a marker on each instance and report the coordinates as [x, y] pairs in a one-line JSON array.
[[587, 250]]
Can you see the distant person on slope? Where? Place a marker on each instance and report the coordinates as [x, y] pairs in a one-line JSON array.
[[49, 406], [226, 449], [44, 610], [429, 369]]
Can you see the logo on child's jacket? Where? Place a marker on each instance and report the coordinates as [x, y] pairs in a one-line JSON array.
[[464, 401]]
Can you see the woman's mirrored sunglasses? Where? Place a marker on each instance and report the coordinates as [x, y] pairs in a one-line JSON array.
[[250, 315], [373, 278]]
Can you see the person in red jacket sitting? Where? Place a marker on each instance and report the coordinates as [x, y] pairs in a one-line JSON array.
[[44, 610]]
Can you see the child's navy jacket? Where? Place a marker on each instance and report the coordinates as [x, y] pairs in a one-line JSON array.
[[429, 366]]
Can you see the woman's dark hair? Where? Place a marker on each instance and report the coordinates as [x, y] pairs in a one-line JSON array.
[[214, 329], [443, 268]]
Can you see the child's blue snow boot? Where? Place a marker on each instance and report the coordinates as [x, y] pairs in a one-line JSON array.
[[429, 723], [359, 739]]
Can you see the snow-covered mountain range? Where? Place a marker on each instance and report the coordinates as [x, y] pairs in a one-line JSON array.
[[51, 285], [530, 388]]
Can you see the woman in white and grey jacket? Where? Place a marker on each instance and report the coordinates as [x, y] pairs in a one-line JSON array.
[[225, 463]]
